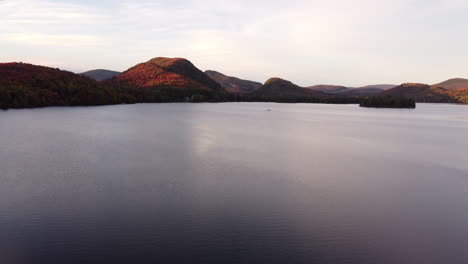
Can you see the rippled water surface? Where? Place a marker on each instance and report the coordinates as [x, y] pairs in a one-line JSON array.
[[234, 183]]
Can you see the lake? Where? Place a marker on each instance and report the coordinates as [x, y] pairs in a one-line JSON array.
[[234, 183]]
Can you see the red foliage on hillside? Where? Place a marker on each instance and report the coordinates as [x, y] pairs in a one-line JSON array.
[[167, 72], [27, 85]]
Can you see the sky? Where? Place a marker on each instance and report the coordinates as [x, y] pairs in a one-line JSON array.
[[343, 42]]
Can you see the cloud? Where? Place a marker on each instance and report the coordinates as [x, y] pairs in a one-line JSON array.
[[21, 12], [51, 39]]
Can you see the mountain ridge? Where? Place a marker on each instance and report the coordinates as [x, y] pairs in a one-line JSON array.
[[420, 92], [233, 84], [454, 84], [100, 74], [280, 87], [163, 79], [330, 89]]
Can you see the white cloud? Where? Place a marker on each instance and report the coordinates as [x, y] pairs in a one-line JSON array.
[[21, 12], [51, 39]]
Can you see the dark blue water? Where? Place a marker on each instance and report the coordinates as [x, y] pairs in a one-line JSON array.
[[234, 183]]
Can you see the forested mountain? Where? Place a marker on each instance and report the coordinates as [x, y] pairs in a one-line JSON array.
[[168, 72], [421, 93], [178, 80], [25, 85], [379, 86], [280, 87], [233, 84], [361, 92], [168, 80], [329, 89], [350, 91]]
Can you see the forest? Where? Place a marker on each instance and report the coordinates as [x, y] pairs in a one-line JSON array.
[[387, 101], [27, 86]]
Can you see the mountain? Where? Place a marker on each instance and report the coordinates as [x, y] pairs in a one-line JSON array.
[[368, 90], [429, 93], [175, 73], [379, 86], [348, 91], [421, 93], [233, 84], [277, 87], [178, 80], [25, 85], [283, 91], [100, 74], [361, 91], [454, 84], [329, 89]]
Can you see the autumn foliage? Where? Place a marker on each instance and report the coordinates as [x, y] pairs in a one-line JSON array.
[[459, 95], [173, 80], [167, 72], [159, 80], [25, 85]]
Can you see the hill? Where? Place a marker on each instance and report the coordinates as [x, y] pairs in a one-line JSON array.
[[348, 91], [454, 84], [100, 74], [279, 87], [233, 84], [379, 86], [282, 91], [25, 85], [421, 93], [168, 80], [369, 90], [168, 72], [361, 92], [329, 89], [178, 80]]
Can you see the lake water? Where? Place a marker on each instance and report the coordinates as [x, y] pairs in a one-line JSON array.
[[234, 183]]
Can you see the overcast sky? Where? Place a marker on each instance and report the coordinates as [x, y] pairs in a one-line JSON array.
[[309, 42]]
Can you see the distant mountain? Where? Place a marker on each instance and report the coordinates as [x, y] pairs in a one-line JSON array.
[[178, 80], [329, 89], [379, 86], [233, 84], [348, 91], [421, 93], [25, 85], [168, 73], [279, 87], [453, 84], [361, 92], [100, 74], [368, 90]]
